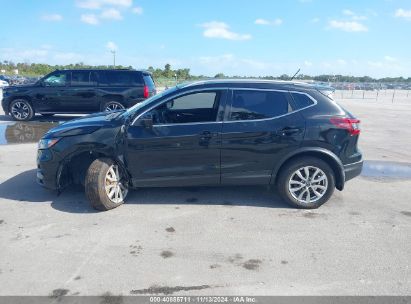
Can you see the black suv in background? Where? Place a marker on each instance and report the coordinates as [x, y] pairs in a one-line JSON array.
[[220, 132], [78, 91]]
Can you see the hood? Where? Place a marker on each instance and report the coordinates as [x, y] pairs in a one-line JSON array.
[[87, 124], [20, 87]]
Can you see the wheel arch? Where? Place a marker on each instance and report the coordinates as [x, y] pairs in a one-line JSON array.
[[112, 97], [329, 157], [25, 97], [74, 166]]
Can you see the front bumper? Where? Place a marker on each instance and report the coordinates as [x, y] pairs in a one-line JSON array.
[[47, 170], [4, 104], [353, 170]]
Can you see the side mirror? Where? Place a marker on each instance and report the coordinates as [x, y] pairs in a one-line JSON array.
[[147, 122]]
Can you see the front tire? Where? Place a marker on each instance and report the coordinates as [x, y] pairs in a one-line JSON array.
[[105, 185], [306, 183], [21, 110]]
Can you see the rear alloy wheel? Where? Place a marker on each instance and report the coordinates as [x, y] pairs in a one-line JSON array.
[[106, 186], [306, 183], [21, 110], [113, 106]]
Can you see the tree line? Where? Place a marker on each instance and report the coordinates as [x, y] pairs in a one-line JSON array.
[[39, 69]]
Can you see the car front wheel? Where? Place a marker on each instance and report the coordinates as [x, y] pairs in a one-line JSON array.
[[105, 184], [21, 110], [306, 183]]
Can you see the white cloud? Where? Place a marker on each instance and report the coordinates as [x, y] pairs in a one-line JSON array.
[[52, 17], [111, 46], [268, 22], [389, 58], [216, 29], [353, 15], [308, 63], [124, 3], [111, 14], [67, 57], [315, 20], [359, 17], [262, 22], [89, 4], [341, 62], [402, 13], [375, 64], [137, 10], [348, 26], [42, 55], [347, 12], [99, 4], [89, 19]]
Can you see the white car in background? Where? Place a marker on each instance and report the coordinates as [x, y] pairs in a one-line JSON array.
[[3, 83]]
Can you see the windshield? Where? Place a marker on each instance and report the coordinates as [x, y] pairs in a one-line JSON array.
[[142, 104]]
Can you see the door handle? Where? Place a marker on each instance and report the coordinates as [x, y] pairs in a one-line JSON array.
[[288, 131], [206, 135]]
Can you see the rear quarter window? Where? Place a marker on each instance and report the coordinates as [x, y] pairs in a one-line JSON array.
[[256, 104], [301, 101]]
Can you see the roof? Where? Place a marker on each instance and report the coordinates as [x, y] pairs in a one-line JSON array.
[[221, 82], [113, 69]]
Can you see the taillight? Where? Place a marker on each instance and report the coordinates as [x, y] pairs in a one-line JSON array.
[[146, 93], [352, 125]]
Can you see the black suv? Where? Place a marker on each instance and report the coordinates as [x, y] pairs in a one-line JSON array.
[[209, 133], [78, 91]]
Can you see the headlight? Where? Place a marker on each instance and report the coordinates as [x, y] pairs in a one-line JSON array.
[[47, 143]]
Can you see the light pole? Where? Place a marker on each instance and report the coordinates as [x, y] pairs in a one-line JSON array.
[[114, 57]]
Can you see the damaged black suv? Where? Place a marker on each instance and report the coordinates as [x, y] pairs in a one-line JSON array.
[[219, 132]]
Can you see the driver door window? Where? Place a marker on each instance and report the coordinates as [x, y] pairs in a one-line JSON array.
[[191, 108], [56, 80]]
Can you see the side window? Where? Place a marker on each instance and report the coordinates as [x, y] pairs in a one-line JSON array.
[[80, 78], [119, 78], [301, 101], [94, 78], [191, 108], [250, 104], [57, 79]]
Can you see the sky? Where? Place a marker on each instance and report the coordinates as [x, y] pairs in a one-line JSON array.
[[234, 37]]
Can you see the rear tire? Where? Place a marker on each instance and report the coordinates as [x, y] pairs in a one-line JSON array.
[[112, 106], [306, 183], [104, 186], [21, 110]]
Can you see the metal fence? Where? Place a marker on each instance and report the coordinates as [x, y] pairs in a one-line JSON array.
[[389, 95]]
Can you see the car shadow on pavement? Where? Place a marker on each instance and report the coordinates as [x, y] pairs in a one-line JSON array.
[[23, 188]]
